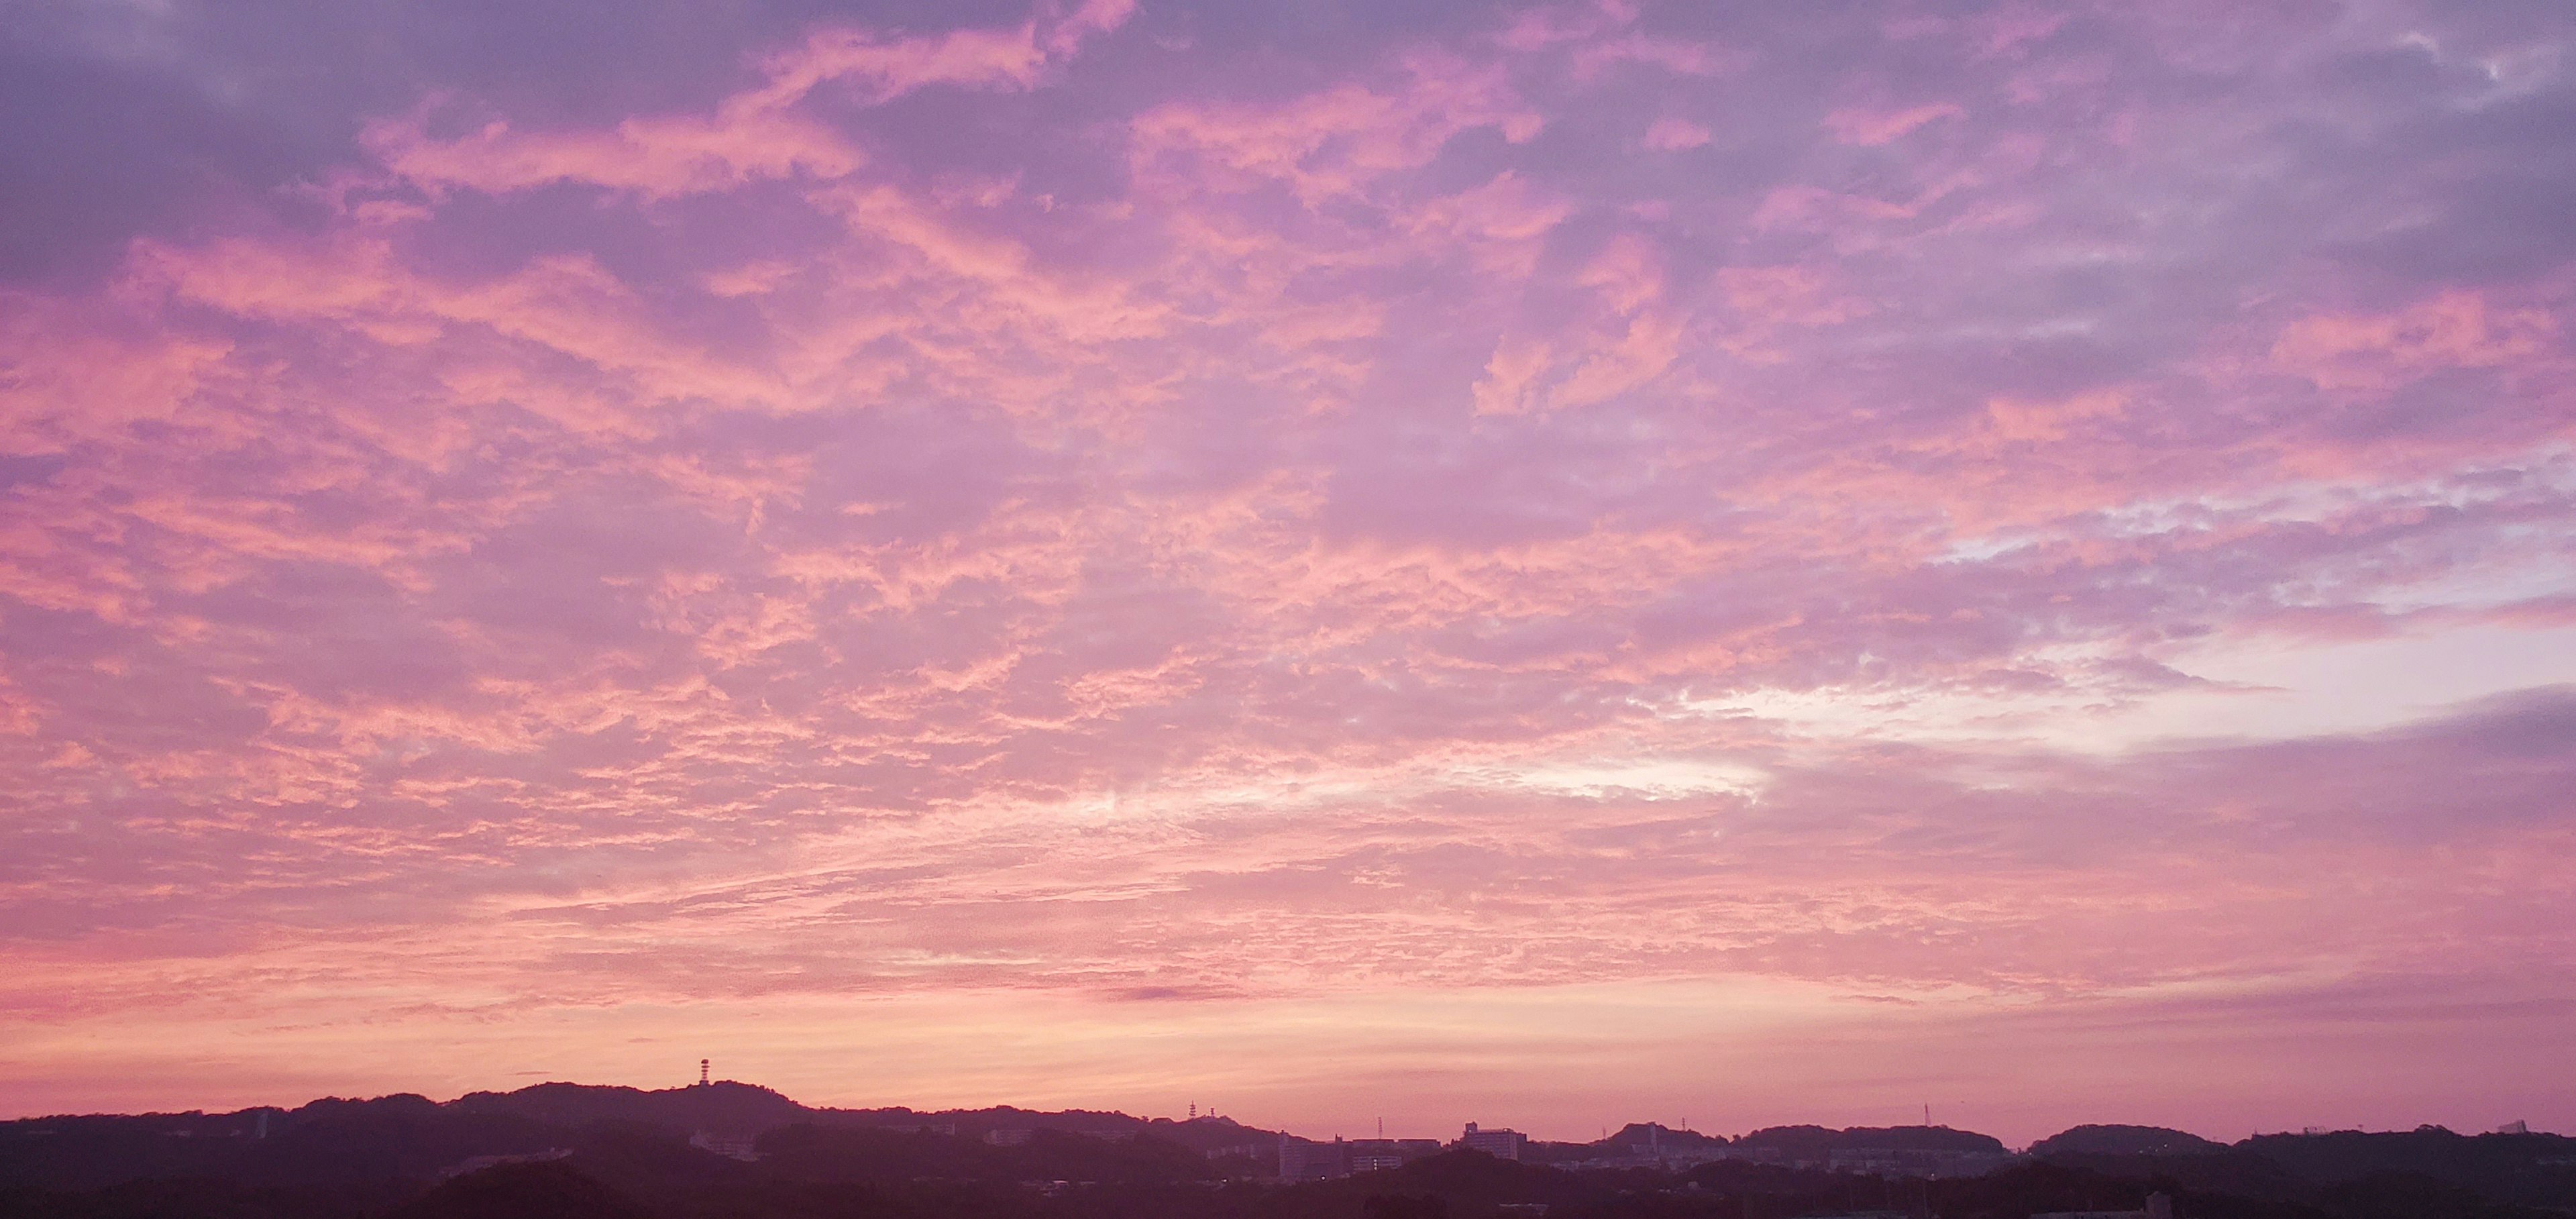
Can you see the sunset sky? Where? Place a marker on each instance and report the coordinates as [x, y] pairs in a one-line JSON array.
[[1546, 564]]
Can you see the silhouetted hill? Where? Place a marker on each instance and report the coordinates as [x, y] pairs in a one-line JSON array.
[[728, 1107], [400, 1104], [626, 1153], [1643, 1134], [2241, 1174], [326, 1143], [1817, 1143], [2526, 1169], [395, 1142], [824, 1153], [1918, 1138], [2125, 1141], [524, 1191], [2408, 1195], [1205, 1134], [2042, 1186], [191, 1198], [1799, 1142], [97, 1152]]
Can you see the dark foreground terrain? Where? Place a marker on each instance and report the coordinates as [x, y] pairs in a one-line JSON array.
[[730, 1151]]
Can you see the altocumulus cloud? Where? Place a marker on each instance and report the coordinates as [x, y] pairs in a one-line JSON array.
[[1971, 529]]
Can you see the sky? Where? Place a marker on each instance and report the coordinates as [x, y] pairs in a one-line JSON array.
[[1550, 564]]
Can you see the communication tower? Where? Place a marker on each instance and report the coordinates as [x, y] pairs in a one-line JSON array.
[[702, 1072]]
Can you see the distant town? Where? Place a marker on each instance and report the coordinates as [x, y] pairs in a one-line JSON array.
[[720, 1147]]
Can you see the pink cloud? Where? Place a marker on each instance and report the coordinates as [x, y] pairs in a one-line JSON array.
[[1871, 127], [656, 158], [754, 134], [1633, 343], [947, 520], [2451, 330], [1672, 135], [1332, 143], [882, 69], [1671, 55], [72, 378]]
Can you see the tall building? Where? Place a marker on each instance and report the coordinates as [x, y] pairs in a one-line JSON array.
[[1380, 1154], [1306, 1160], [1500, 1144]]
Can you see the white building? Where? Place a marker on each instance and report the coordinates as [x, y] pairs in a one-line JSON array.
[[731, 1146], [1500, 1144]]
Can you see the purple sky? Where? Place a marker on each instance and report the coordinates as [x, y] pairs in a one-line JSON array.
[[1550, 565]]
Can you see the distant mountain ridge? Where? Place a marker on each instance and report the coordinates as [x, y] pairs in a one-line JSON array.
[[740, 1108], [728, 1106], [2125, 1140], [746, 1110], [1817, 1142], [565, 1151]]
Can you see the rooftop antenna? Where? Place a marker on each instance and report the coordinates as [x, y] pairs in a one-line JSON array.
[[702, 1072]]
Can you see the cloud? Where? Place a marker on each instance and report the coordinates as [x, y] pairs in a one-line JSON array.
[[1093, 506], [1335, 142], [2453, 330], [1870, 127], [881, 69], [656, 158], [751, 135], [1673, 135]]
